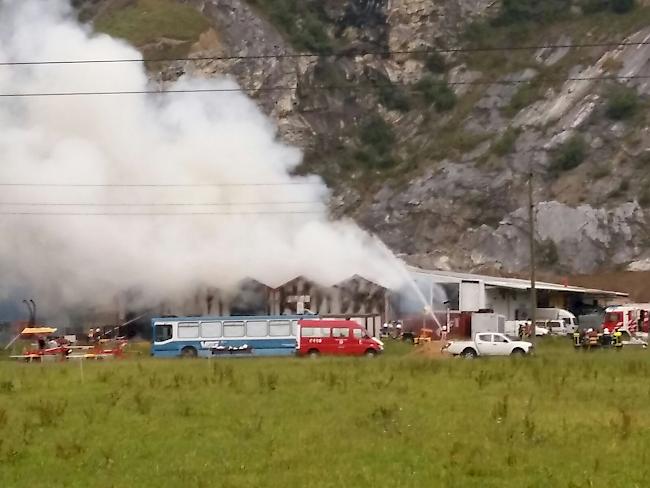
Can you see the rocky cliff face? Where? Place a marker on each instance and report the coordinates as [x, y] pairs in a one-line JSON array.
[[441, 173]]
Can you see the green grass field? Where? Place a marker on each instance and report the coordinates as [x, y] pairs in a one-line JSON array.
[[562, 418]]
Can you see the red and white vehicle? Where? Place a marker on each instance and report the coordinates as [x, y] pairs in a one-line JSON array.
[[630, 318], [336, 337]]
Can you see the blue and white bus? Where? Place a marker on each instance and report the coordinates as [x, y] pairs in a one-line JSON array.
[[277, 335]]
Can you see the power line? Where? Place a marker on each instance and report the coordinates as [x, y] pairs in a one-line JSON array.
[[343, 54], [208, 204], [410, 86], [157, 214], [158, 185]]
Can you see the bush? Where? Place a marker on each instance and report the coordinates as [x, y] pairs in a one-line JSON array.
[[506, 143], [371, 158], [393, 97], [622, 6], [617, 6], [622, 102], [436, 93], [479, 33], [540, 11], [526, 95], [435, 63], [570, 154], [376, 132], [304, 22], [377, 139], [594, 6]]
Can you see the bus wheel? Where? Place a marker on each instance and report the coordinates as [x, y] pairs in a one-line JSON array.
[[370, 353], [313, 353], [188, 352]]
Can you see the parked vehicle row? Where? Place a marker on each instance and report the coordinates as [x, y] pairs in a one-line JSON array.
[[280, 335]]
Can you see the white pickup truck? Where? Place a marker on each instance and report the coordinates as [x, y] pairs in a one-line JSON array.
[[488, 344]]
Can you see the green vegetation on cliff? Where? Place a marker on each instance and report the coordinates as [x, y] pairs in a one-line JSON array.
[[147, 21], [302, 21]]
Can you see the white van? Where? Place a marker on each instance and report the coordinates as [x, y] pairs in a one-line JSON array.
[[512, 328], [565, 316]]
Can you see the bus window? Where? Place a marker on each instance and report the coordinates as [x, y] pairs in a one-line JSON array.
[[256, 328], [279, 328], [188, 330], [163, 332], [210, 330], [233, 329]]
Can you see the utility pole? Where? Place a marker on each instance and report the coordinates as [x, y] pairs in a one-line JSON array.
[[531, 231]]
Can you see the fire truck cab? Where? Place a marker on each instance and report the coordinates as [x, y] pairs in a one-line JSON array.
[[630, 318]]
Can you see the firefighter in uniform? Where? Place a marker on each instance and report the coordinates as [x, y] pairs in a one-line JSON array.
[[606, 338], [618, 339], [577, 339], [592, 338]]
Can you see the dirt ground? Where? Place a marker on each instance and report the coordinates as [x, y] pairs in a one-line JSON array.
[[431, 349]]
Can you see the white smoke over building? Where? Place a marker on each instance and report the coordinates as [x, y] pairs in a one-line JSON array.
[[216, 147]]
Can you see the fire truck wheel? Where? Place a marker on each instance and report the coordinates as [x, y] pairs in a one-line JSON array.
[[313, 353], [188, 352], [370, 353]]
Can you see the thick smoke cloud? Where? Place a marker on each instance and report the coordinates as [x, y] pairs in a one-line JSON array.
[[180, 139]]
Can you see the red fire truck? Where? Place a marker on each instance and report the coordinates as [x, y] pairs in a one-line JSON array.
[[336, 337], [631, 318]]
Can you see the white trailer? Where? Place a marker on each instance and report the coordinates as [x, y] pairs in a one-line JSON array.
[[488, 322]]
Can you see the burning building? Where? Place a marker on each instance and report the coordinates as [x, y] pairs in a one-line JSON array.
[[355, 297]]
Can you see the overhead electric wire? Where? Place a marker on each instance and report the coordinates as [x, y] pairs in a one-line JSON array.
[[209, 204], [343, 54], [157, 185], [125, 214], [410, 86]]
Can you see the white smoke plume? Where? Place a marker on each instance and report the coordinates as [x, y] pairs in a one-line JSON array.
[[179, 139]]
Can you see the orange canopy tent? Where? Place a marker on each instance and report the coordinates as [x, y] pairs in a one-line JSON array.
[[38, 331]]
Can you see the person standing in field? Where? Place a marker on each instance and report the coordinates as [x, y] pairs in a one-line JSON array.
[[443, 333], [593, 338], [618, 339], [607, 338]]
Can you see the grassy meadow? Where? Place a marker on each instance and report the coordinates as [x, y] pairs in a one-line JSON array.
[[562, 418]]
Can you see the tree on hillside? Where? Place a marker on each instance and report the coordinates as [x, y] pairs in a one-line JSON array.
[[515, 11]]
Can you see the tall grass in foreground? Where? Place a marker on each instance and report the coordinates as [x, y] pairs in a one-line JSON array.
[[562, 418]]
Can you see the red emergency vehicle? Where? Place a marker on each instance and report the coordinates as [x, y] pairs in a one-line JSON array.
[[632, 318], [336, 337]]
